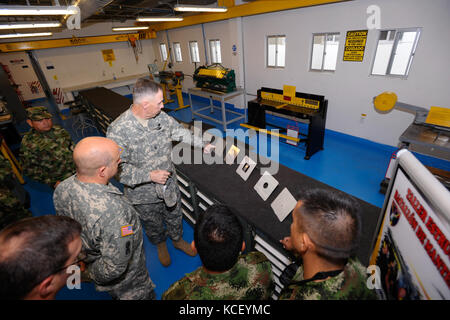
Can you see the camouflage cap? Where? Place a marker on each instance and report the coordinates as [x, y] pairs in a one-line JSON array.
[[38, 113]]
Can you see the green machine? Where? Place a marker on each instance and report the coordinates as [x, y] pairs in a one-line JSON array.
[[215, 77]]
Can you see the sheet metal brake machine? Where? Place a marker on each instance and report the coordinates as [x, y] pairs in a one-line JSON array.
[[298, 106]]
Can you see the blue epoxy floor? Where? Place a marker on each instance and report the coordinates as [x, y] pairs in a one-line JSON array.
[[353, 165]]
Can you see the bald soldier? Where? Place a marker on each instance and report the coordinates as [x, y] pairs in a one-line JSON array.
[[112, 234]]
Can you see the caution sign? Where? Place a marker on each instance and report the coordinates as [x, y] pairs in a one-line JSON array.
[[108, 55], [355, 44]]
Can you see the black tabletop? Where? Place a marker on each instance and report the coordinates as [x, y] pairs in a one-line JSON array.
[[220, 181], [109, 102]]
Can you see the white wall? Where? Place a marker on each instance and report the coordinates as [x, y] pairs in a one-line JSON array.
[[227, 31], [74, 66], [81, 65], [22, 73], [183, 36], [350, 88]]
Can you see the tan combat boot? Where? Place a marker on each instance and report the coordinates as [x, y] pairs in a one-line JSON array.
[[185, 247], [163, 254]]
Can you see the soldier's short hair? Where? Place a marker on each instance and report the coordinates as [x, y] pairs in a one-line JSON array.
[[145, 87], [331, 220], [218, 237], [40, 250]]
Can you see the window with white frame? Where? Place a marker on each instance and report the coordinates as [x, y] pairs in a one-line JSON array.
[[163, 51], [177, 51], [276, 51], [214, 46], [193, 49], [324, 51], [395, 51]]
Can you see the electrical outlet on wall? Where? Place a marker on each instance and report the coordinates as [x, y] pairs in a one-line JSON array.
[[363, 118]]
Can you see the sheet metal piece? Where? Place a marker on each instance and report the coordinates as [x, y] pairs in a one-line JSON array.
[[246, 167], [283, 204], [266, 185]]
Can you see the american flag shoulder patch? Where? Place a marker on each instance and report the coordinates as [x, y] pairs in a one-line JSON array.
[[126, 230]]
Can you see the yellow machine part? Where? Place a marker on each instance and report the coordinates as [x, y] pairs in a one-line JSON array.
[[269, 132], [300, 102], [439, 116], [385, 101], [216, 73]]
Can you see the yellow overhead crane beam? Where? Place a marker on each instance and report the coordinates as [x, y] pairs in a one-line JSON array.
[[247, 9], [74, 41]]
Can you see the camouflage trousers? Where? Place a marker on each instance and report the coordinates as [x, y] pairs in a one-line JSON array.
[[11, 210], [159, 221], [144, 294]]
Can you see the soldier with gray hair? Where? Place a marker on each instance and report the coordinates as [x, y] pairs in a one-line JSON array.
[[145, 134], [112, 234]]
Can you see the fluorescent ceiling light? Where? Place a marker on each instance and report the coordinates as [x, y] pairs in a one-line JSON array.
[[20, 35], [129, 28], [28, 25], [35, 11], [187, 8], [157, 19]]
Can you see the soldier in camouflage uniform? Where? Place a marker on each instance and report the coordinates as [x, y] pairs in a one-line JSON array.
[[324, 232], [350, 284], [112, 234], [46, 150], [225, 274], [145, 134], [11, 209]]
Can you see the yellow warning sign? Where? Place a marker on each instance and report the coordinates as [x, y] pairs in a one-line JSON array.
[[355, 44], [108, 55]]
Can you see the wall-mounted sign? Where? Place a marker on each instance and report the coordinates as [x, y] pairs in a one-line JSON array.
[[108, 55], [355, 44]]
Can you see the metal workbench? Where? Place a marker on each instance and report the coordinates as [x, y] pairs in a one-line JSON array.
[[427, 140], [219, 96]]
